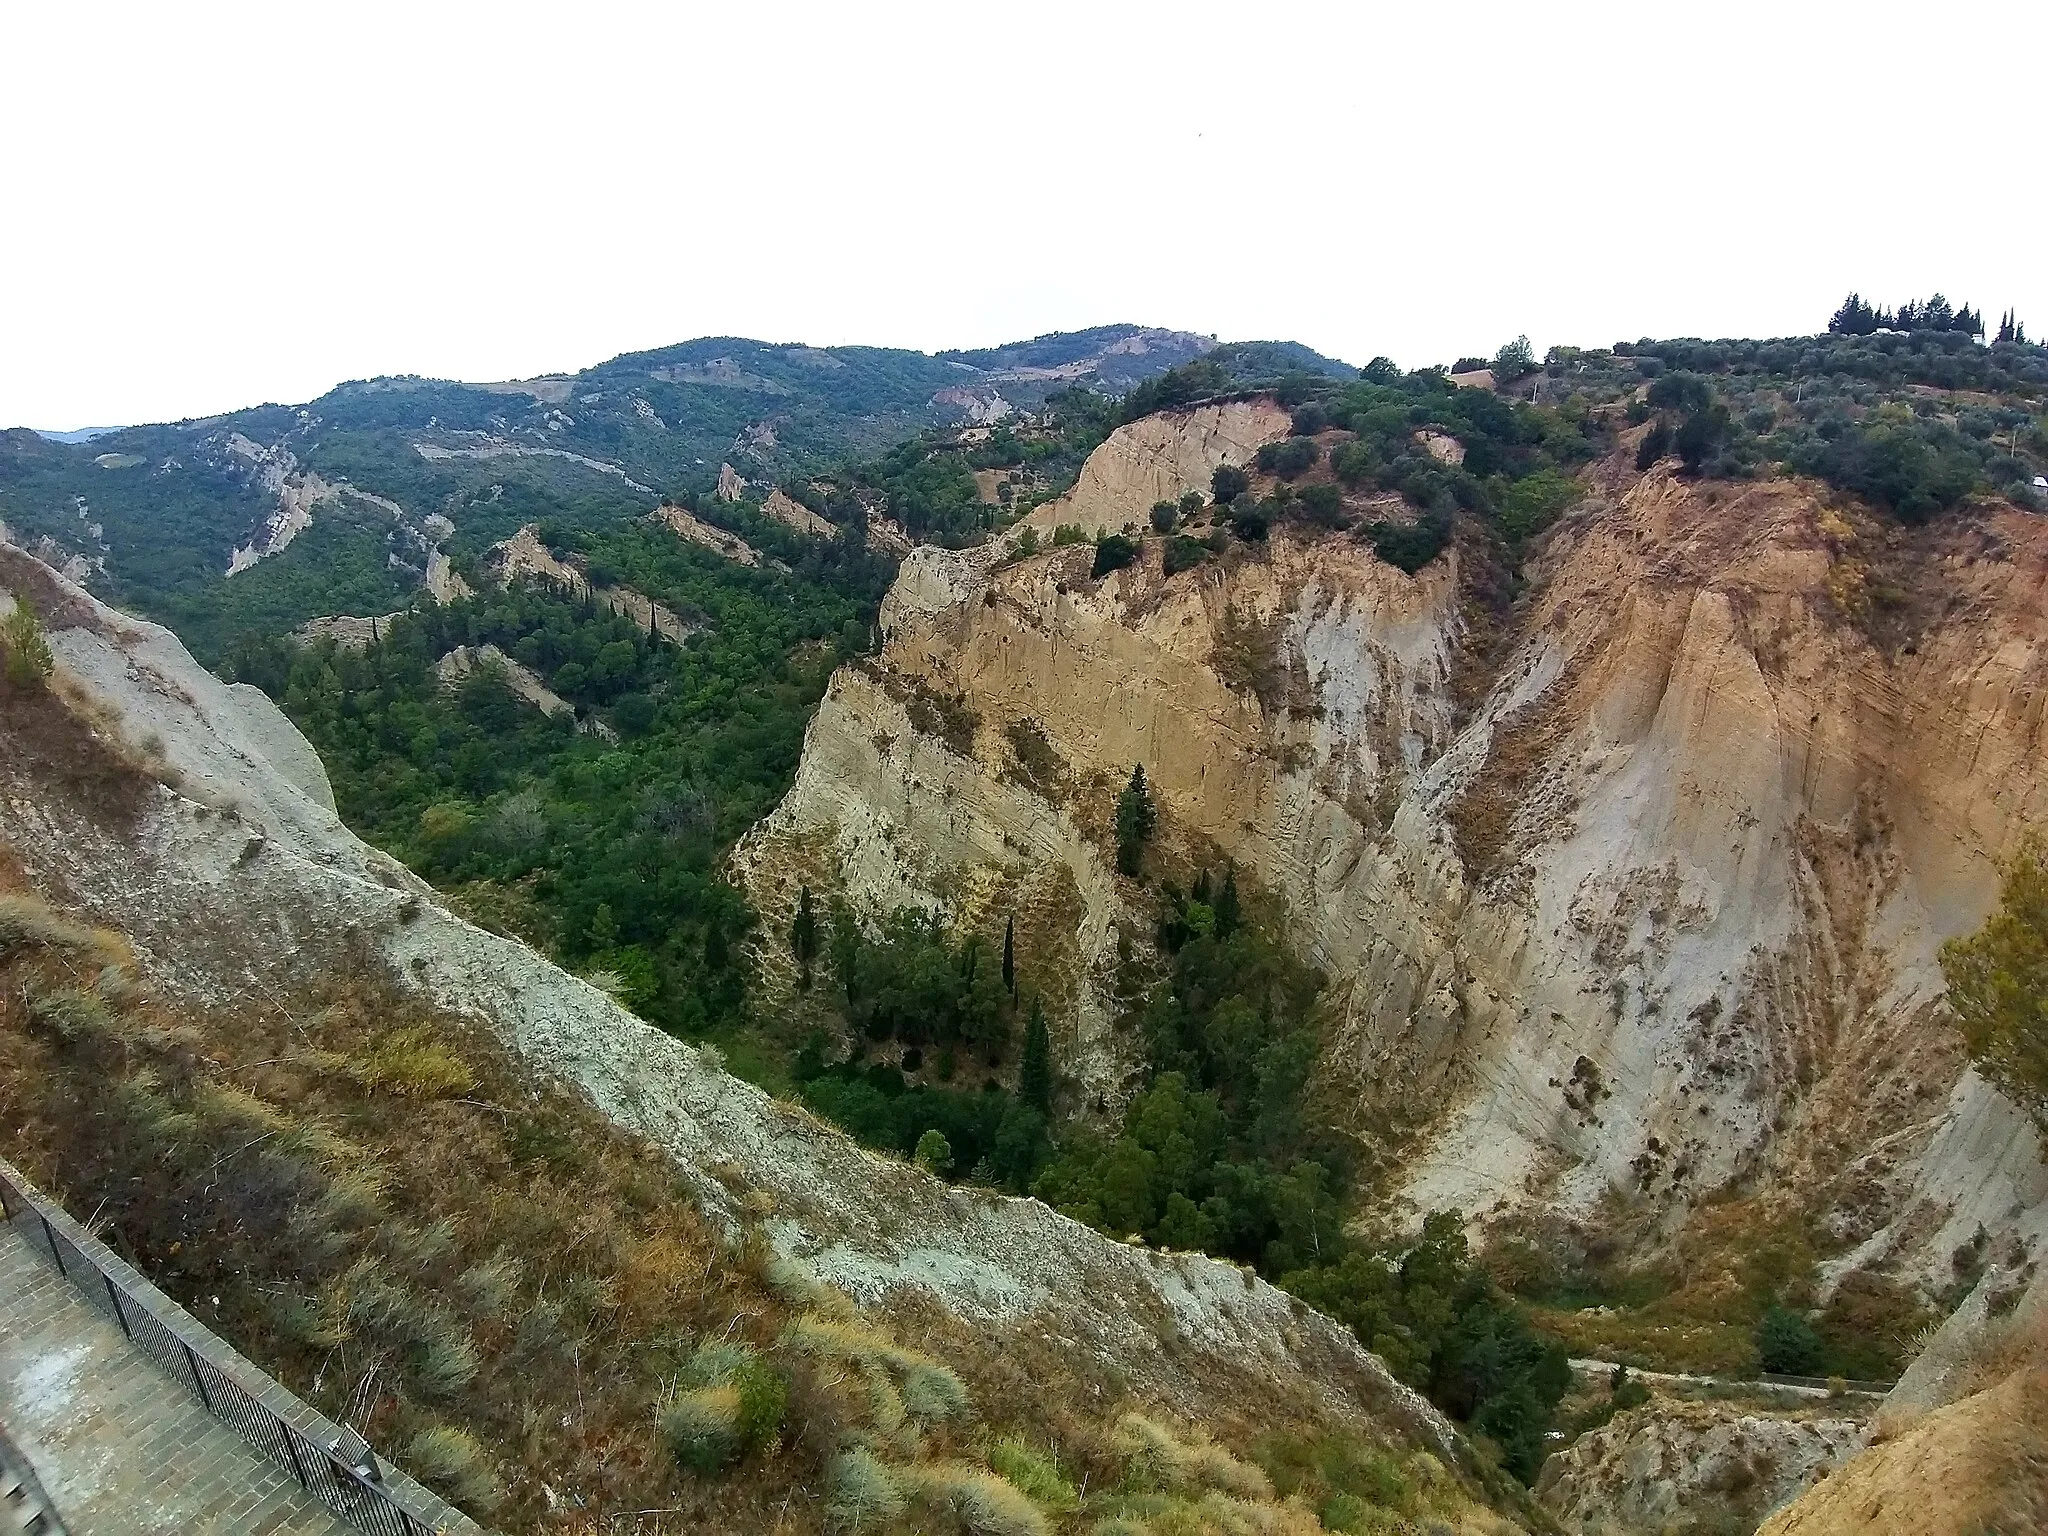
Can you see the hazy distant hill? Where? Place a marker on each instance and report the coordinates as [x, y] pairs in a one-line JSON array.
[[362, 484]]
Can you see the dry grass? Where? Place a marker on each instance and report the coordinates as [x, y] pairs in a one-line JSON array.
[[533, 1295]]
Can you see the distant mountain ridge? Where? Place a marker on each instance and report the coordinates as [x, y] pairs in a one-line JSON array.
[[366, 482]]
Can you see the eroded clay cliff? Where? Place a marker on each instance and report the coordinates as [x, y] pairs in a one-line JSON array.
[[1629, 896]]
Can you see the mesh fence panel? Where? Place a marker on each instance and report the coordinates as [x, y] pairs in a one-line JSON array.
[[324, 1474]]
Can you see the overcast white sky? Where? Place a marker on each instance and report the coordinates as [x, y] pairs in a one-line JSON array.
[[214, 205]]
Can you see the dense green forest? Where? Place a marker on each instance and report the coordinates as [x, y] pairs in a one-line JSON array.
[[604, 851], [1220, 1151]]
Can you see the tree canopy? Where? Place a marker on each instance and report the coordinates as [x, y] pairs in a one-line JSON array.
[[1998, 982]]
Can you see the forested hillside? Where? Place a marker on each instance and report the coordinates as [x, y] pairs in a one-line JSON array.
[[340, 503]]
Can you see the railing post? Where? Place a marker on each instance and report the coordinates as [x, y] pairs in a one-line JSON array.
[[50, 1237], [192, 1363], [114, 1295], [291, 1449]]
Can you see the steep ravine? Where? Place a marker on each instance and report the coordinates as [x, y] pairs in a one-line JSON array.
[[1651, 914], [230, 876]]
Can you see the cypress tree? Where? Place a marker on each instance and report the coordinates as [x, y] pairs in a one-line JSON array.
[[803, 936], [1228, 913], [1010, 957], [1034, 1075], [1136, 816]]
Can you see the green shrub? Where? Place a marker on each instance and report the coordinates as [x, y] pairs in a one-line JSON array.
[[491, 1287], [1164, 515], [934, 1153], [1227, 482], [28, 651], [1533, 503], [1288, 458], [983, 1503], [1036, 1474], [26, 923], [444, 1357], [1513, 361], [864, 1492], [1354, 461], [931, 1391], [1184, 553], [1112, 553], [1786, 1344], [1914, 468], [702, 1428], [1411, 546], [764, 1397], [1322, 505]]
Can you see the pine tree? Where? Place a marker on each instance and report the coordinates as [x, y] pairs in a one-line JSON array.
[[803, 936], [23, 643], [1854, 318], [1010, 957], [1034, 1075], [1136, 816]]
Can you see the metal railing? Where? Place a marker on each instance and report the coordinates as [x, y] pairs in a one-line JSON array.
[[343, 1476]]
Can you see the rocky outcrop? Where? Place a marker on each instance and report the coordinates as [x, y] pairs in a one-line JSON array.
[[1977, 1465], [685, 525], [730, 486], [465, 661], [1962, 1440], [791, 513], [525, 557], [1159, 458], [1641, 901], [1673, 1466]]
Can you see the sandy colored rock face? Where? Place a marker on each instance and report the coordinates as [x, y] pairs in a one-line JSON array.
[[1715, 1465], [1978, 1465], [525, 557], [686, 526], [1655, 909], [791, 513], [1157, 459], [464, 660]]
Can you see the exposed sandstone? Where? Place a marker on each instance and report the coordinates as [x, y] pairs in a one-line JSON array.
[[463, 661], [252, 888], [685, 525], [791, 513], [1158, 458], [525, 557], [1655, 912]]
